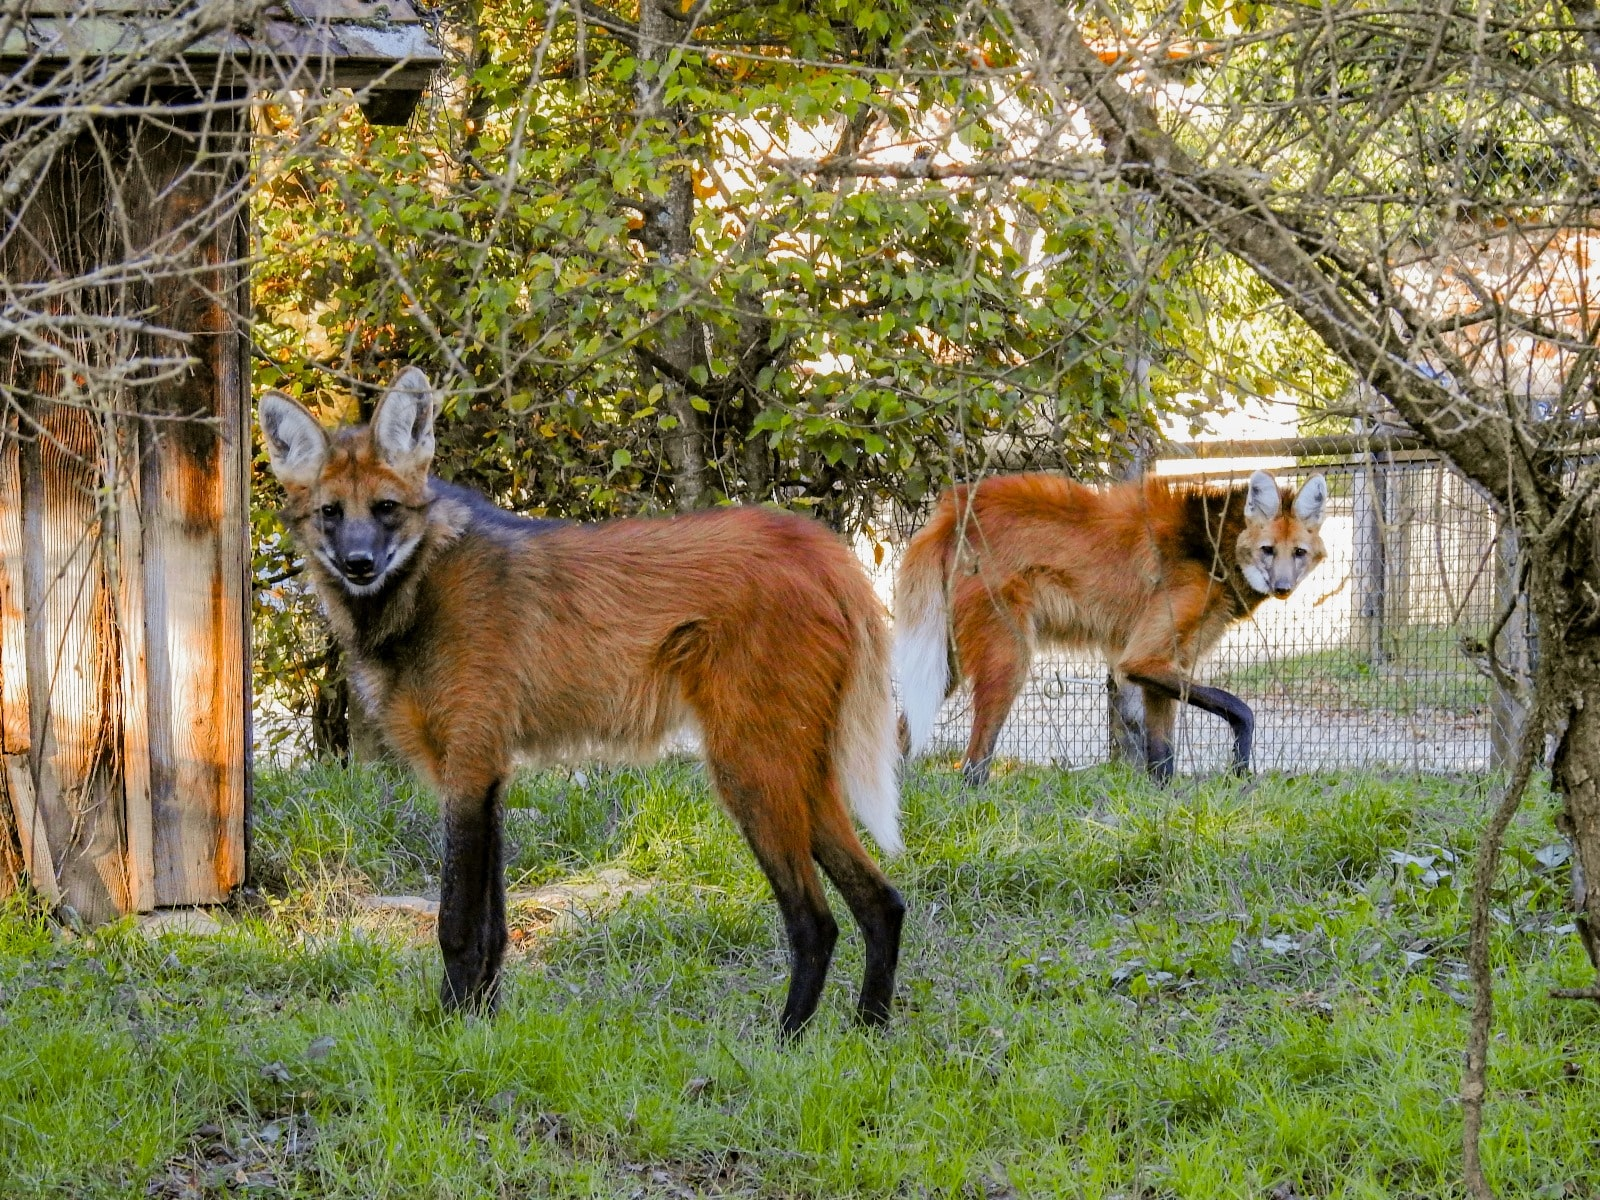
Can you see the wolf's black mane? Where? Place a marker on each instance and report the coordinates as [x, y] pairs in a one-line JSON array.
[[486, 514], [1215, 518]]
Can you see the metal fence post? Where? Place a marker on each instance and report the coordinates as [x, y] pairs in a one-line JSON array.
[[1124, 701], [1125, 720], [1506, 710], [1399, 509], [1367, 570]]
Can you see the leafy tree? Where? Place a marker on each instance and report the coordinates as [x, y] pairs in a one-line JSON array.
[[639, 249], [634, 307]]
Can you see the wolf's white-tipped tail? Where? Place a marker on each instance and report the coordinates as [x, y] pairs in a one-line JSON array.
[[864, 752], [921, 640]]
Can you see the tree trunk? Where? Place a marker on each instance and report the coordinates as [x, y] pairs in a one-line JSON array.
[[1565, 595], [669, 231], [1576, 775], [331, 706]]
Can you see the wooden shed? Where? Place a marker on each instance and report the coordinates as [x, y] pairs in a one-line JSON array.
[[125, 441]]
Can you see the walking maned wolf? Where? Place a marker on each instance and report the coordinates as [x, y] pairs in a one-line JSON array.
[[474, 635], [1149, 573]]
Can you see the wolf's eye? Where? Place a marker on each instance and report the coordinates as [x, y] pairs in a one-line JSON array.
[[1300, 551], [331, 511], [382, 508], [1267, 550]]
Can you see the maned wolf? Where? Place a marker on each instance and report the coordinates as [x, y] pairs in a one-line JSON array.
[[475, 635], [1149, 573]]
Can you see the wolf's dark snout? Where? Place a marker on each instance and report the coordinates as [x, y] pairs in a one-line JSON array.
[[361, 551]]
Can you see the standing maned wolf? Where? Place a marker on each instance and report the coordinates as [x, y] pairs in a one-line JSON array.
[[475, 635], [1148, 573]]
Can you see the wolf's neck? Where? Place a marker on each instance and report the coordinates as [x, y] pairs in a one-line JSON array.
[[1246, 598], [365, 625]]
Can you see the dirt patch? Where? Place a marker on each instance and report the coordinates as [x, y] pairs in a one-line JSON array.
[[178, 920], [714, 1173], [553, 908], [561, 905], [215, 1164]]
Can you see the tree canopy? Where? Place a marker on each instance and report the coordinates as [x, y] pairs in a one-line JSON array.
[[632, 245]]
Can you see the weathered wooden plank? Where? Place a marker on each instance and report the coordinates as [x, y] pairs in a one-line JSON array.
[[45, 806], [376, 12], [15, 731], [235, 428], [124, 644], [13, 869], [121, 471], [193, 526], [198, 816], [245, 541], [198, 806], [124, 685], [382, 48], [14, 728], [74, 788], [31, 831], [73, 686], [182, 547], [67, 8], [282, 53], [398, 12], [165, 805]]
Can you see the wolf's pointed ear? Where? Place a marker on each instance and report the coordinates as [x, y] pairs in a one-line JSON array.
[[1262, 501], [402, 428], [1313, 498], [296, 445]]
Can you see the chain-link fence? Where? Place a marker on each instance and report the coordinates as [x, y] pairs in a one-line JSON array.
[[1363, 667]]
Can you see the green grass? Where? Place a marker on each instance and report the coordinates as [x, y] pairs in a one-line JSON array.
[[1426, 670], [1107, 990]]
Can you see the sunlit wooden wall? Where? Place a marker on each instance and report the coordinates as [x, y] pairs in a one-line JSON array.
[[124, 683]]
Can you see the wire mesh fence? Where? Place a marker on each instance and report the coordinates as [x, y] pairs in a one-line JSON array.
[[1363, 667]]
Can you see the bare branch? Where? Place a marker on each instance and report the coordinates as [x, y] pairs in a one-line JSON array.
[[926, 168]]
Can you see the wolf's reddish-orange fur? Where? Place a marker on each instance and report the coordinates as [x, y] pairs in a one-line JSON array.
[[498, 637], [1149, 573]]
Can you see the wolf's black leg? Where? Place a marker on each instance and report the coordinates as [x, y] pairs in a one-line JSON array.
[[472, 923], [1207, 699]]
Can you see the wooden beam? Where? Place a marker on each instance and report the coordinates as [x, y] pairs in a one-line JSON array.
[[128, 594], [194, 525], [1336, 445], [31, 831]]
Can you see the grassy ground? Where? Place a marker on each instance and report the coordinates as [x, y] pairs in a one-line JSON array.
[[1426, 671], [1108, 990]]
